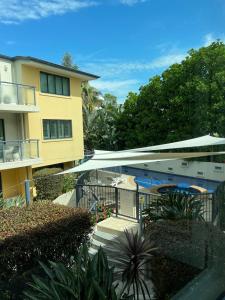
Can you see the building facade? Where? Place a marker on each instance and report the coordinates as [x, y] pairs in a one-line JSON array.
[[40, 118]]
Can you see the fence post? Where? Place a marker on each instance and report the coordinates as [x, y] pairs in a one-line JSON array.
[[77, 194], [117, 200], [27, 191], [137, 203]]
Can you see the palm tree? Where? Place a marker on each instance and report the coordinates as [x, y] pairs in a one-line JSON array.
[[92, 98]]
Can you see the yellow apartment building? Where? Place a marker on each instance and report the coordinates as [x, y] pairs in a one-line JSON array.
[[40, 118]]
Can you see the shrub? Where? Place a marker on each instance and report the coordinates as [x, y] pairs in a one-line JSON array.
[[69, 181], [169, 276], [182, 241], [17, 201], [48, 187], [176, 206], [89, 278], [131, 253], [41, 231]]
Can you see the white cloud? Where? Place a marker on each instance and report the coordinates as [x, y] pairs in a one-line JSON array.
[[15, 11], [119, 88], [209, 38], [113, 68], [131, 2], [111, 85]]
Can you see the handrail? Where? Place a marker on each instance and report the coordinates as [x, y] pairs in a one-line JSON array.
[[18, 84], [20, 141]]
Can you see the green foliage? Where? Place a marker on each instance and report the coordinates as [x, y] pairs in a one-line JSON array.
[[102, 213], [186, 101], [17, 201], [41, 231], [48, 187], [169, 276], [69, 181], [131, 254], [100, 124], [176, 206], [67, 61], [87, 279]]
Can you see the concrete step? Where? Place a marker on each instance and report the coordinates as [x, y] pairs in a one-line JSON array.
[[92, 251], [103, 237], [95, 244], [116, 226]]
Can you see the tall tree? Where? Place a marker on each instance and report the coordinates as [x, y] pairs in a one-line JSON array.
[[67, 61], [187, 100], [92, 98], [101, 129]]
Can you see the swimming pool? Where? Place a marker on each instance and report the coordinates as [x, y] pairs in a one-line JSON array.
[[155, 178], [176, 189]]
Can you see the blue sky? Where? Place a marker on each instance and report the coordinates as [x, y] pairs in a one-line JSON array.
[[126, 42]]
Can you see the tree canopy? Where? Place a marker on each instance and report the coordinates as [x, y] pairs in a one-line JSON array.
[[186, 101], [67, 61]]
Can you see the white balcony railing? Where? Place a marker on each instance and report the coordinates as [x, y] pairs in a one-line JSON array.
[[17, 94], [14, 151]]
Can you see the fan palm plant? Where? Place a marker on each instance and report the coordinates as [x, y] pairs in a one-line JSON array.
[[176, 206]]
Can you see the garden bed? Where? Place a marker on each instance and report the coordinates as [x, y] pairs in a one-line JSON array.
[[41, 232]]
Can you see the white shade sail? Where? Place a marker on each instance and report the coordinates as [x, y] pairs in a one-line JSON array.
[[203, 141], [108, 159], [96, 163]]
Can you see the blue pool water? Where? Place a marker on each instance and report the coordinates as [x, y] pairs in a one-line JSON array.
[[151, 178], [177, 189]]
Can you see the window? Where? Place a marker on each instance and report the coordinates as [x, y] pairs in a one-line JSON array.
[[57, 129], [54, 84]]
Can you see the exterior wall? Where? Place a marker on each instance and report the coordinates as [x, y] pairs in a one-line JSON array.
[[13, 181], [6, 70], [202, 170], [68, 165], [13, 126], [55, 107]]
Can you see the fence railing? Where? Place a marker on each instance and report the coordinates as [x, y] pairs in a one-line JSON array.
[[129, 203], [11, 151], [18, 94]]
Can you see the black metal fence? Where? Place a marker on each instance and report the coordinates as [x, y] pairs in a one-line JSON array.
[[128, 203]]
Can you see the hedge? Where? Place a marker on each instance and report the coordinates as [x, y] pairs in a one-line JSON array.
[[48, 186], [41, 232], [170, 276]]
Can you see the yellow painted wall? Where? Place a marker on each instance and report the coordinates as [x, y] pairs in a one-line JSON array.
[[55, 107], [13, 181]]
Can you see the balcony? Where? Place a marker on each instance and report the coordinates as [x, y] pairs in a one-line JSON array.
[[16, 154], [17, 97]]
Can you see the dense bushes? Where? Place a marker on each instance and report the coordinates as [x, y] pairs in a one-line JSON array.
[[179, 256], [69, 181], [169, 276], [182, 241], [41, 231], [48, 187], [88, 279]]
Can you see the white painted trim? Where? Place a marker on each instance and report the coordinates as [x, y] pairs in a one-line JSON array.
[[20, 163], [18, 108]]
